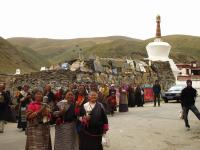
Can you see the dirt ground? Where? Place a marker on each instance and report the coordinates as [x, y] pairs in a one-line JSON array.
[[144, 128]]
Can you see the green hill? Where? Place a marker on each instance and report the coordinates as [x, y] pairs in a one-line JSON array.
[[13, 57], [184, 48], [118, 48], [35, 59], [59, 50]]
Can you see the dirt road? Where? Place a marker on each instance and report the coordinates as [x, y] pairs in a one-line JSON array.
[[145, 128]]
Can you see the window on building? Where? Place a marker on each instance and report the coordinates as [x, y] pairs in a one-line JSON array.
[[187, 71]]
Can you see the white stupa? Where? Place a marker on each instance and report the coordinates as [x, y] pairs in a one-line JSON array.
[[159, 50]]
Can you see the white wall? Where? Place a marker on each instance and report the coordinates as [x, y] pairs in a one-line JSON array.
[[184, 72]]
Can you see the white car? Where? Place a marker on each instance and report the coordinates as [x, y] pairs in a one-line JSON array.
[[174, 93]]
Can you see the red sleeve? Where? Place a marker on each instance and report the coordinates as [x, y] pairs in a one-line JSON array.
[[30, 107], [33, 107]]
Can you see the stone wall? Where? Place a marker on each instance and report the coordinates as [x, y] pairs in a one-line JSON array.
[[60, 78], [8, 79], [57, 78], [164, 74]]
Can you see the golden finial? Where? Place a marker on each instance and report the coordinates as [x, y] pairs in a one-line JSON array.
[[158, 18]]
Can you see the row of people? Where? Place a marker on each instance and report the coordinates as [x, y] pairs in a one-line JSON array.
[[109, 96], [80, 123]]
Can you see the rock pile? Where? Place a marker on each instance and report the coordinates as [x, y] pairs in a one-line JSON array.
[[164, 74], [137, 72], [57, 78]]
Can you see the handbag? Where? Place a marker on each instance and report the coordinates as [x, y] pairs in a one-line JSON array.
[[105, 140], [181, 114]]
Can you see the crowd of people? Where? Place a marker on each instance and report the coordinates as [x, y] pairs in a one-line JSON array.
[[79, 112]]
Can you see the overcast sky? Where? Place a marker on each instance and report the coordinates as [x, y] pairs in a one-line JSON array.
[[94, 18]]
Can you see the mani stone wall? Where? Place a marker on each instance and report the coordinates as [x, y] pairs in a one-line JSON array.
[[164, 74], [60, 78], [157, 71], [56, 78], [8, 79]]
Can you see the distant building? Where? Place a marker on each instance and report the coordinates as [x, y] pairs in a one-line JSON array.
[[189, 71], [18, 72]]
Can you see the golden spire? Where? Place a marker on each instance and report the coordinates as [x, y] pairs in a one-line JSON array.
[[158, 30]]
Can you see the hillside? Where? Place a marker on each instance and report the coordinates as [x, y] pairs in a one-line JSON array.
[[34, 58], [59, 50], [115, 46], [119, 48], [12, 57], [184, 48]]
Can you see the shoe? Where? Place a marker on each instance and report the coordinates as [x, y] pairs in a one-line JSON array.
[[188, 128]]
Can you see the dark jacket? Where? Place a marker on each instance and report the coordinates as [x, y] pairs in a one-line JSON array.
[[51, 97], [70, 114], [188, 96], [5, 111], [156, 89], [97, 121]]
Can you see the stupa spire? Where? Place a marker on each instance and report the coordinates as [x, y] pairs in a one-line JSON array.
[[158, 30]]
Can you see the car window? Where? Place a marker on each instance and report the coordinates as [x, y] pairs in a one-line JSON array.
[[176, 88]]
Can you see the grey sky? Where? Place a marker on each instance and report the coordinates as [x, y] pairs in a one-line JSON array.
[[94, 18]]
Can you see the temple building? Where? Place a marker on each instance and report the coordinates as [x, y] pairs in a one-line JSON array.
[[190, 69]]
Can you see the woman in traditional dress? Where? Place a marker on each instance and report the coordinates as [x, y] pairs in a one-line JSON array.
[[138, 96], [5, 111], [65, 129], [101, 97], [18, 95], [81, 96], [23, 100], [51, 97], [104, 89], [112, 100], [59, 95], [94, 124], [123, 101], [131, 97], [80, 99], [38, 129]]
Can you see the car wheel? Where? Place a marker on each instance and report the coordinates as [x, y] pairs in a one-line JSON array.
[[166, 100]]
